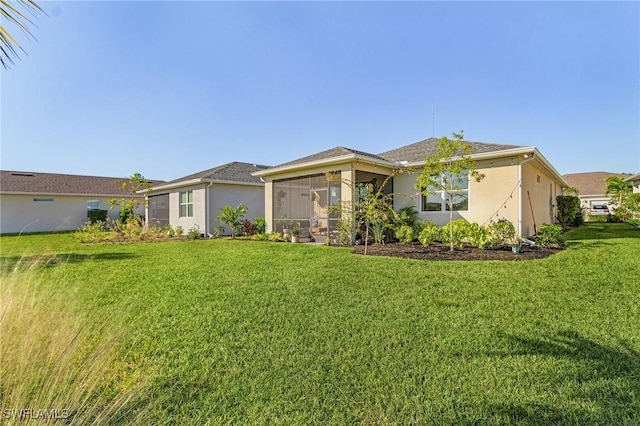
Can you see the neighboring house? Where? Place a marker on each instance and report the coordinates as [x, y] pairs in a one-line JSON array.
[[591, 186], [194, 201], [635, 181], [520, 185], [43, 202]]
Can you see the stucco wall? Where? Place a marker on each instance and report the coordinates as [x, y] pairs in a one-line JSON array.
[[493, 198], [542, 189], [252, 196], [198, 219], [20, 213]]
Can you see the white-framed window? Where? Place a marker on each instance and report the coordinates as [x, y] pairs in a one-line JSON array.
[[93, 205], [186, 204], [437, 201]]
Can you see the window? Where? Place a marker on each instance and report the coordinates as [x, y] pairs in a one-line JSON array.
[[93, 205], [186, 204], [437, 200]]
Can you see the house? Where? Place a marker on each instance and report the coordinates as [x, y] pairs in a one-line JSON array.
[[635, 181], [194, 201], [44, 202], [520, 185], [591, 187]]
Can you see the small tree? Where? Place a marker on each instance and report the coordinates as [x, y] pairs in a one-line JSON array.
[[232, 217], [448, 171], [618, 189], [128, 205]]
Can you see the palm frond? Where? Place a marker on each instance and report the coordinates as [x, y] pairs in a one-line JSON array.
[[15, 12]]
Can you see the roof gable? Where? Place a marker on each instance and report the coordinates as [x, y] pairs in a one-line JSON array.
[[53, 183], [419, 151]]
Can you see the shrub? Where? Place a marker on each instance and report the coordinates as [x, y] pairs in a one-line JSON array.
[[549, 236], [501, 233], [568, 209], [405, 234], [407, 216], [194, 233], [346, 230], [93, 232], [169, 231], [259, 237], [477, 236], [248, 228], [429, 233], [275, 236], [459, 234], [260, 224], [96, 215]]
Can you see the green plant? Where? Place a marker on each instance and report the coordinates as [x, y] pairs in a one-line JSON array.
[[477, 236], [455, 233], [179, 231], [168, 229], [275, 236], [568, 209], [96, 215], [618, 189], [346, 228], [194, 233], [405, 234], [429, 233], [501, 233], [408, 216], [129, 205], [231, 216], [259, 237], [295, 230], [93, 232], [261, 225], [218, 231], [549, 235]]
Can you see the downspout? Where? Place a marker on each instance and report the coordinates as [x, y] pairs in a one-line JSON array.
[[527, 158], [207, 210]]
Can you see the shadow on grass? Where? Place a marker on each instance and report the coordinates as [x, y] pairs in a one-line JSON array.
[[607, 382], [22, 263]]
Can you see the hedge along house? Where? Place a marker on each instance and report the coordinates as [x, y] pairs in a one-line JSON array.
[[47, 202], [519, 185], [194, 201]]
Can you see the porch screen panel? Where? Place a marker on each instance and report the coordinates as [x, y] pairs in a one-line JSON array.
[[159, 210]]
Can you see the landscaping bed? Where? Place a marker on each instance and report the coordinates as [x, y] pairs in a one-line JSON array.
[[442, 252]]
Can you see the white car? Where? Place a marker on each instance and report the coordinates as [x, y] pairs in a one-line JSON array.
[[599, 209]]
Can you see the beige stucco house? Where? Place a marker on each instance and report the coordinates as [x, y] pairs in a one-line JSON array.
[[194, 201], [520, 185], [591, 187], [46, 202]]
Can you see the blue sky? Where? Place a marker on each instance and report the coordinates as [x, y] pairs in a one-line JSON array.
[[171, 88]]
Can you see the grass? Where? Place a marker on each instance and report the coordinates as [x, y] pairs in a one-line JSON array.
[[227, 332]]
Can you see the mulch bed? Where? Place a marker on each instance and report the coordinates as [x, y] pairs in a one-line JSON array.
[[442, 252]]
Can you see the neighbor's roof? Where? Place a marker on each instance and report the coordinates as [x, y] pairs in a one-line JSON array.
[[419, 151], [235, 171], [590, 183], [53, 183]]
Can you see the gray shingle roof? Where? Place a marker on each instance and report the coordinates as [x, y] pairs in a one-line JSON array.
[[52, 183], [338, 151], [419, 151], [235, 172], [590, 183]]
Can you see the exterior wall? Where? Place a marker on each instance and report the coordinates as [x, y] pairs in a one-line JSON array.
[[542, 188], [251, 196], [493, 198], [199, 213], [636, 185], [20, 213]]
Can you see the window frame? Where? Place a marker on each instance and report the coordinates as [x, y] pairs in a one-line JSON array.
[[442, 196], [185, 207]]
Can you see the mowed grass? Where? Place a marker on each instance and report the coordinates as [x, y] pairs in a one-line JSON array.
[[228, 332]]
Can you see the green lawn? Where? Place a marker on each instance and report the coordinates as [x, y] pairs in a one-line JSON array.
[[230, 332]]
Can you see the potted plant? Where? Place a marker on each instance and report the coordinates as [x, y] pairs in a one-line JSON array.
[[295, 234], [516, 243]]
